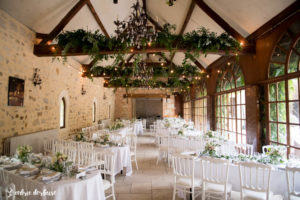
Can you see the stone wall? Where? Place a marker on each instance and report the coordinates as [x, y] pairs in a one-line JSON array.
[[125, 107], [41, 106]]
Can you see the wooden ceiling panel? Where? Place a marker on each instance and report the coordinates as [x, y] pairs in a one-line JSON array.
[[176, 14], [82, 20], [108, 12], [246, 16]]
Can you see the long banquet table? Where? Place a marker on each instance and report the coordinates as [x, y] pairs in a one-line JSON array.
[[123, 158], [91, 188], [278, 182]]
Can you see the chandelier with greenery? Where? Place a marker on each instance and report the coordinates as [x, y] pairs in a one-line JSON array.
[[138, 34]]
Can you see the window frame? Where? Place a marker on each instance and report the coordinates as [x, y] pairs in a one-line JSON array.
[[232, 72], [286, 77], [94, 112], [62, 101]]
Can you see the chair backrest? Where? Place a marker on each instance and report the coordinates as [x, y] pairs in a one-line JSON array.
[[86, 157], [292, 175], [255, 177], [215, 170], [117, 138], [184, 166], [108, 168], [71, 152], [48, 145], [131, 140], [58, 147], [246, 149], [86, 145]]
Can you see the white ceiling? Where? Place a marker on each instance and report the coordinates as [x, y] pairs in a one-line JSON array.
[[244, 15]]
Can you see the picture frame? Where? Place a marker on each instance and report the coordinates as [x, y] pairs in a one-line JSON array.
[[16, 91]]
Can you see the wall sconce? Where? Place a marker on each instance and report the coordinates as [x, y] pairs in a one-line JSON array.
[[104, 96], [36, 79], [115, 1], [83, 91]]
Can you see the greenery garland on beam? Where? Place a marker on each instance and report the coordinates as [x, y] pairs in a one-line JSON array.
[[195, 42]]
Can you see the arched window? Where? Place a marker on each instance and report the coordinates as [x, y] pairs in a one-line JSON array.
[[94, 111], [231, 103], [200, 106], [283, 91], [62, 113]]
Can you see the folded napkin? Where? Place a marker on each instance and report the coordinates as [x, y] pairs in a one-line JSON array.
[[52, 176], [28, 170], [11, 166]]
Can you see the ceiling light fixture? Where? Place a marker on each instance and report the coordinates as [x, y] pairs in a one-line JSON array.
[[137, 29]]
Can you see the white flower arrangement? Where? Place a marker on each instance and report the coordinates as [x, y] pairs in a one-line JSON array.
[[23, 153]]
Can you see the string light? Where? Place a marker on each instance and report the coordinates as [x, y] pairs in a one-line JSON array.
[[49, 42], [228, 63], [131, 50], [162, 64], [53, 48], [207, 76], [104, 74], [149, 44], [219, 71], [242, 43], [172, 71]]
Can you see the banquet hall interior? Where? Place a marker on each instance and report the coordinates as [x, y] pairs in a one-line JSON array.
[[149, 99]]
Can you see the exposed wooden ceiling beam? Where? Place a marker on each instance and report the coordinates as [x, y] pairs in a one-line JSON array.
[[146, 96], [93, 11], [220, 21], [290, 11], [185, 23], [55, 50], [60, 26], [188, 17]]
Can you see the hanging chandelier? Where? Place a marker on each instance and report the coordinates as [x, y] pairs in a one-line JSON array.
[[136, 32], [142, 72]]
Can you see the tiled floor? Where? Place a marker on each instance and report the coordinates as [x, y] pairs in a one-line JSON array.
[[151, 181]]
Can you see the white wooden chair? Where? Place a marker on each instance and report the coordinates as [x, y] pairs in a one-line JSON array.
[[255, 181], [184, 176], [163, 149], [9, 189], [246, 149], [71, 152], [144, 122], [48, 146], [215, 178], [292, 177], [86, 145], [132, 140], [108, 168], [86, 158]]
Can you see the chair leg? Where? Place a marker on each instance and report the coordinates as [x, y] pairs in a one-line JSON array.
[[113, 192], [193, 193], [137, 168], [174, 191]]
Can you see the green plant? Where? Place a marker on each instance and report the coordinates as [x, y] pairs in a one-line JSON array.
[[23, 153]]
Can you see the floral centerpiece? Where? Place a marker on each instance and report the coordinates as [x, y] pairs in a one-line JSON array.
[[275, 155], [211, 148], [80, 137], [60, 163], [23, 153], [104, 139], [117, 125], [208, 135], [181, 132]]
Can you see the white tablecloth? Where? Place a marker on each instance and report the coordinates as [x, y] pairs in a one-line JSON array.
[[90, 188], [278, 182], [123, 158], [138, 128]]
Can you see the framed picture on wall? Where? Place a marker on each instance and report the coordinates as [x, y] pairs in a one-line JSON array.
[[15, 91]]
